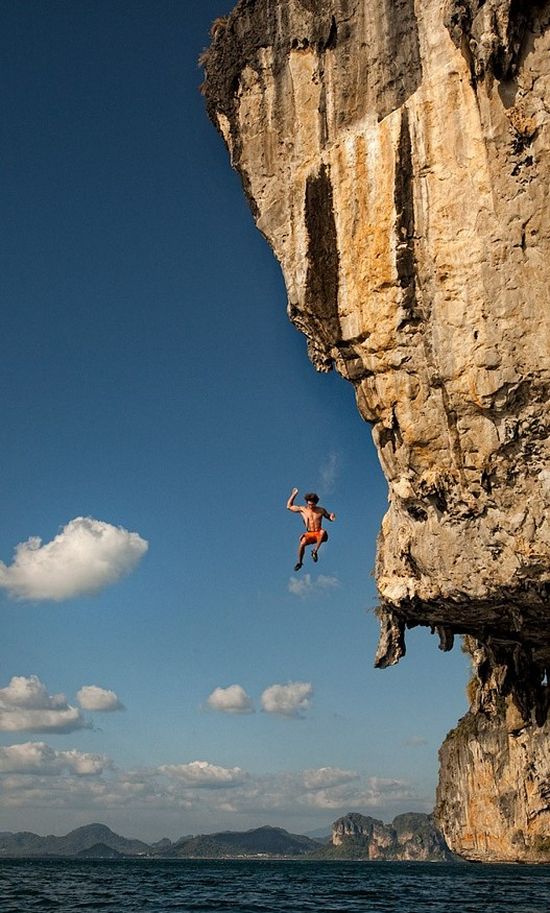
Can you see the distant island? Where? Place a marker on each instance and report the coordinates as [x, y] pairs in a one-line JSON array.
[[410, 837]]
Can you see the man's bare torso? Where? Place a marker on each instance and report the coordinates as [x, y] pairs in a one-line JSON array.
[[313, 518]]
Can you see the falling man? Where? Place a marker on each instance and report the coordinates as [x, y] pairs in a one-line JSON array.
[[312, 515]]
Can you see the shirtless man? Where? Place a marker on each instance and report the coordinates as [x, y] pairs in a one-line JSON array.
[[313, 521]]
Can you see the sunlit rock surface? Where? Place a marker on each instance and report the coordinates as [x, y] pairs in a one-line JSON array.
[[396, 157], [493, 797]]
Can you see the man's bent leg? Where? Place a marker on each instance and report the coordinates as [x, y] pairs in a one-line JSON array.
[[320, 541], [301, 550]]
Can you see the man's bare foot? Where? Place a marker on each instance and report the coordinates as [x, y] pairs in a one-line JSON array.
[[315, 556], [298, 566]]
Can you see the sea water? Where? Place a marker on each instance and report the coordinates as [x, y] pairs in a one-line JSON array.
[[251, 886]]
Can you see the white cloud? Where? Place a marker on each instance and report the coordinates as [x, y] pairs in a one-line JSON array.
[[31, 693], [202, 774], [318, 790], [327, 777], [306, 586], [39, 758], [26, 705], [289, 700], [384, 786], [34, 776], [92, 697], [415, 741], [232, 699], [84, 557], [329, 471]]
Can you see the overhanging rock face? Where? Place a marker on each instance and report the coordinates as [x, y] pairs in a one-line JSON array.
[[396, 156]]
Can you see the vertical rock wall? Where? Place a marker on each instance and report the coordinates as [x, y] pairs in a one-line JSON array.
[[493, 797], [396, 156]]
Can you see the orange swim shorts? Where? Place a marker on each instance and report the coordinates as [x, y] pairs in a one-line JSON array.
[[313, 538]]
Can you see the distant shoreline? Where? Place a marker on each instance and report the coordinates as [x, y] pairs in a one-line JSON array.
[[458, 862]]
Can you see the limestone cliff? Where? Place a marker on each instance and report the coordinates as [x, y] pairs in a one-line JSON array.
[[493, 797], [410, 837], [396, 156]]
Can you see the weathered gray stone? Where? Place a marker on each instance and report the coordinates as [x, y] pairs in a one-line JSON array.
[[412, 836]]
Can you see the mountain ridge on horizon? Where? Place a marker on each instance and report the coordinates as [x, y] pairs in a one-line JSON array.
[[86, 837], [360, 837]]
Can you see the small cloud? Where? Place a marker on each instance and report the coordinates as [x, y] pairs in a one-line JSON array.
[[415, 741], [92, 697], [328, 777], [232, 699], [39, 759], [306, 586], [329, 471], [386, 787], [289, 700], [25, 705], [84, 557], [199, 774]]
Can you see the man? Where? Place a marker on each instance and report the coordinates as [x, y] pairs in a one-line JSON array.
[[312, 515]]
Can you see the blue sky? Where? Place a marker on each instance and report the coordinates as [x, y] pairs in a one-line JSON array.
[[153, 383]]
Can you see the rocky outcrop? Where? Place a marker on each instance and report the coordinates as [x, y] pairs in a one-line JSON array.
[[492, 34], [493, 797], [494, 790], [360, 830], [396, 156], [410, 837]]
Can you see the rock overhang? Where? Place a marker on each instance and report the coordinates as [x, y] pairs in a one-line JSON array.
[[396, 156]]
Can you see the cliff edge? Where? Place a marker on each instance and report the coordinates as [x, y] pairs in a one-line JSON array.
[[396, 156]]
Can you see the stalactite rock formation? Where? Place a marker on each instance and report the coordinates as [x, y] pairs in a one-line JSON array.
[[396, 156]]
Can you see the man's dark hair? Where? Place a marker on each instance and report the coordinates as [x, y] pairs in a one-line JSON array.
[[311, 496]]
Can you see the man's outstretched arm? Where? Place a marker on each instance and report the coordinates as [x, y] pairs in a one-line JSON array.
[[328, 516], [290, 503]]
